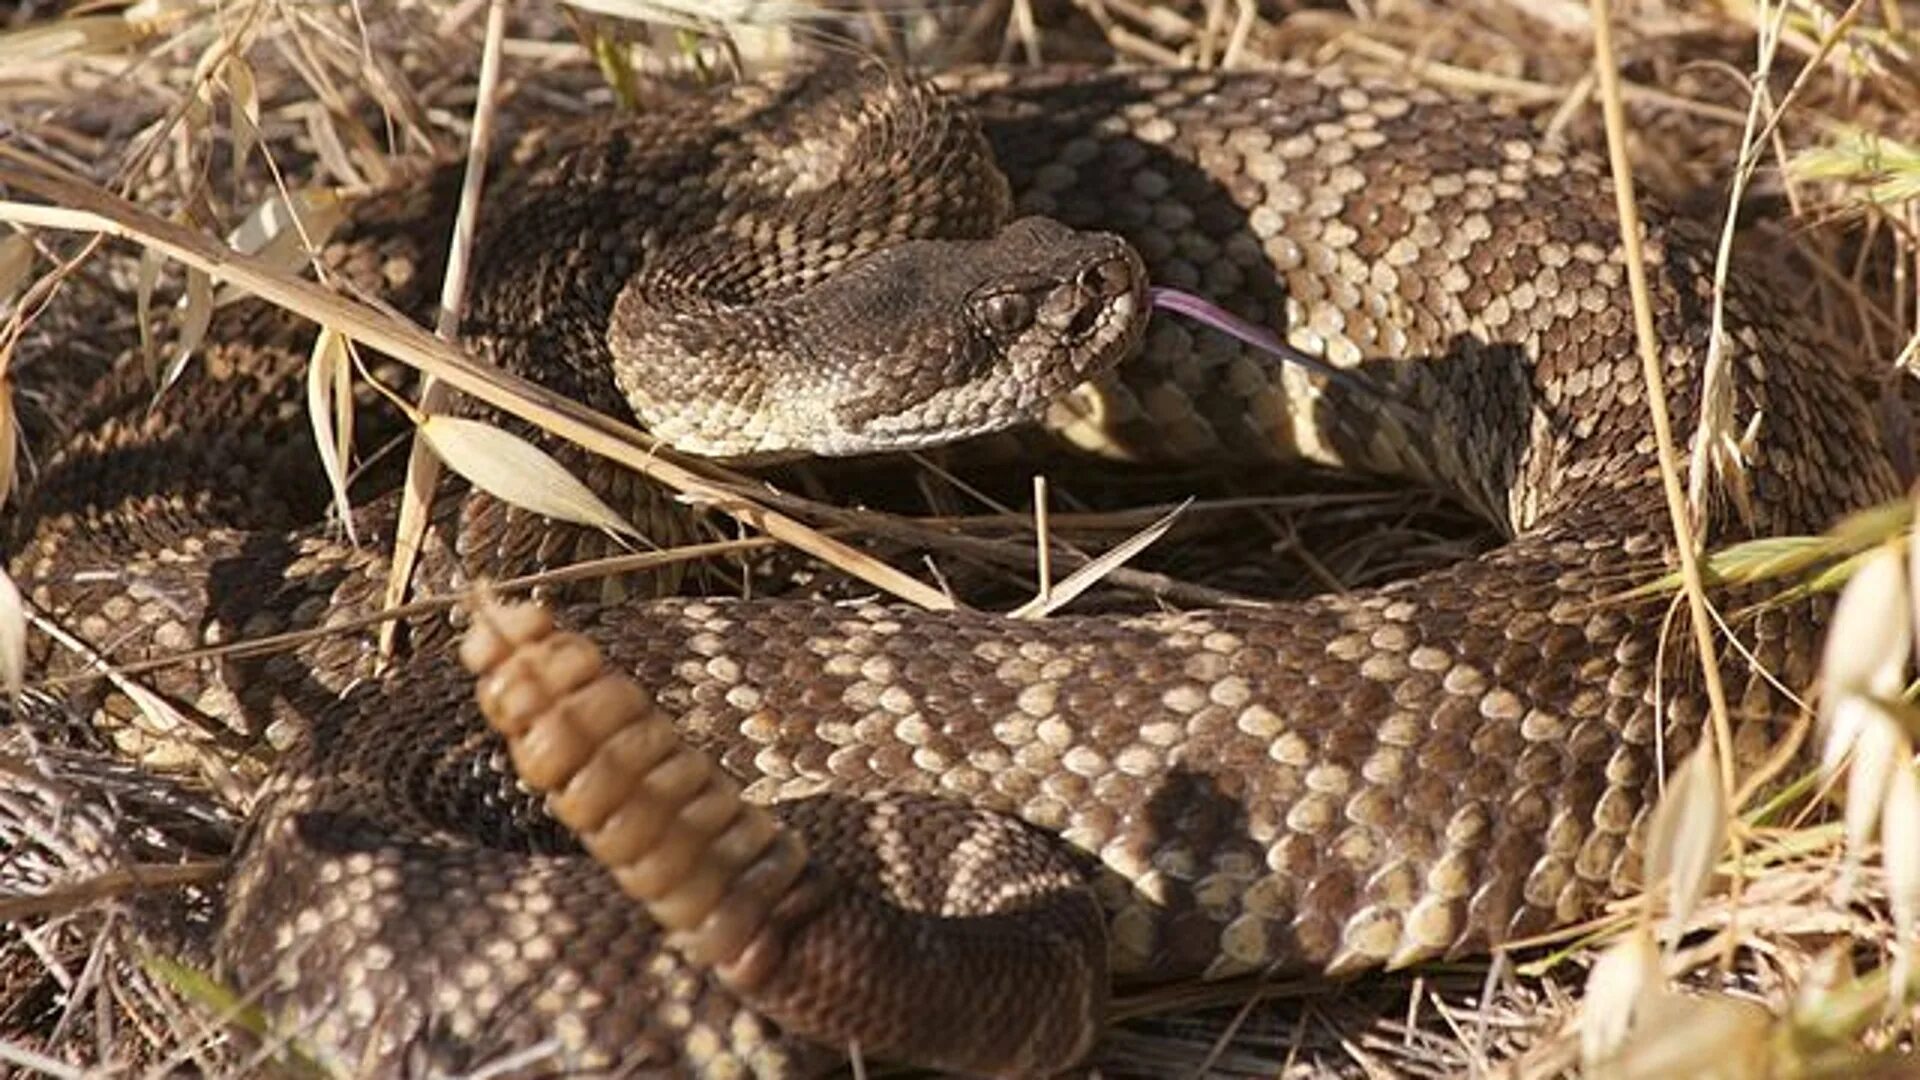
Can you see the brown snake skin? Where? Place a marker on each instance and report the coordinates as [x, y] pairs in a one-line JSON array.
[[1004, 817]]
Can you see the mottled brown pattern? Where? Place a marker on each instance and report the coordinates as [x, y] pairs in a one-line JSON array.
[[1358, 780], [822, 923]]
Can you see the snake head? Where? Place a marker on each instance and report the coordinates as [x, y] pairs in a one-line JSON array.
[[975, 336], [920, 343]]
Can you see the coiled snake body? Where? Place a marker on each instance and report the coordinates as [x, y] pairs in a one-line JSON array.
[[1006, 816]]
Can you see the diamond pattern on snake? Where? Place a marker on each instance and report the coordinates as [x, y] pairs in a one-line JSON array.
[[733, 837]]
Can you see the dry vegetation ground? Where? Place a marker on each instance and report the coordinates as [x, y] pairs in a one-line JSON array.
[[156, 103]]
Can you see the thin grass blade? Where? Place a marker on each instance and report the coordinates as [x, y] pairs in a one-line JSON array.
[[1089, 575], [9, 439]]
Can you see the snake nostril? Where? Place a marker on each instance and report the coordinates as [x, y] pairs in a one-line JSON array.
[[1084, 317], [1103, 279]]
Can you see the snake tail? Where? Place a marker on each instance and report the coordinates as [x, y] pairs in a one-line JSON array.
[[738, 890]]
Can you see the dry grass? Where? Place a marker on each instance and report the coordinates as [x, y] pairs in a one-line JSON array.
[[170, 121]]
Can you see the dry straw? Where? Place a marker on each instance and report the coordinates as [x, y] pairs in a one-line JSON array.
[[1645, 1012]]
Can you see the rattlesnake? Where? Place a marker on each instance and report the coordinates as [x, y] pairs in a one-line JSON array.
[[1006, 816]]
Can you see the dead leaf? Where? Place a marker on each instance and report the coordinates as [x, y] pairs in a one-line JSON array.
[[1625, 977], [1871, 635], [279, 229], [1900, 857], [1687, 835], [243, 113], [330, 411], [694, 13], [16, 261], [13, 638], [196, 314], [1711, 1037], [78, 36], [146, 278], [510, 468]]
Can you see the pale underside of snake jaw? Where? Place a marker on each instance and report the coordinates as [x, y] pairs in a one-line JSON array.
[[1360, 780]]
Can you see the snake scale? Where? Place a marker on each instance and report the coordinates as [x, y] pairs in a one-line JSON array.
[[978, 825]]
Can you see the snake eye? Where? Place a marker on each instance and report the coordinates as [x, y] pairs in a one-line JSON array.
[[1008, 313]]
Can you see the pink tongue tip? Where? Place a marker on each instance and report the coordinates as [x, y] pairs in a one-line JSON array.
[[1210, 314]]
